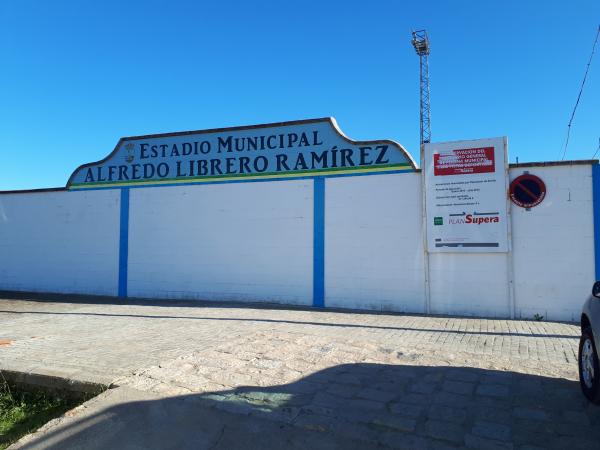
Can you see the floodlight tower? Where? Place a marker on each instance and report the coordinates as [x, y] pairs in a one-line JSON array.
[[420, 42]]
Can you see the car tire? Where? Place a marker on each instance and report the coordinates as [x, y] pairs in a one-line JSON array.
[[589, 368]]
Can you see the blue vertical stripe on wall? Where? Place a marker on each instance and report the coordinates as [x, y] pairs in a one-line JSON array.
[[123, 242], [596, 207], [319, 242]]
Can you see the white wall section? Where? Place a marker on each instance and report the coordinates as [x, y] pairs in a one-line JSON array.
[[553, 245], [60, 242], [240, 241], [373, 243], [469, 284]]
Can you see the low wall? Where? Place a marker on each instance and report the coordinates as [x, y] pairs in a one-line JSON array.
[[350, 242], [554, 245], [60, 241], [240, 241]]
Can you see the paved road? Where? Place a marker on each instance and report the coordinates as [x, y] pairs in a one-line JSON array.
[[303, 378]]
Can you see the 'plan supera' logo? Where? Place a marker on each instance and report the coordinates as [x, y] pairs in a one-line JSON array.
[[475, 219], [481, 219]]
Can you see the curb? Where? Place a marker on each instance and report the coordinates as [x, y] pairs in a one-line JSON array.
[[53, 384]]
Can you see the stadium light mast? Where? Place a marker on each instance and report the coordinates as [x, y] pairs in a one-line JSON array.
[[420, 42]]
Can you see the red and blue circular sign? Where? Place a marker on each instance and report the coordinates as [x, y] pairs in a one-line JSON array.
[[527, 191]]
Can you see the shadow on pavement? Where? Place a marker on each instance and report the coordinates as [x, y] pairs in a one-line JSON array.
[[346, 406], [99, 300]]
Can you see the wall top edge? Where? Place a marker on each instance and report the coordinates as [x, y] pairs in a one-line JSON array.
[[579, 162]]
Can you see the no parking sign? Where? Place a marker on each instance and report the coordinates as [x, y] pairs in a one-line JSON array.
[[527, 191]]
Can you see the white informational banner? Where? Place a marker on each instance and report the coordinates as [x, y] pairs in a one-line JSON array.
[[465, 195]]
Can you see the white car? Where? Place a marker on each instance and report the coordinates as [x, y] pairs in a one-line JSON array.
[[589, 368]]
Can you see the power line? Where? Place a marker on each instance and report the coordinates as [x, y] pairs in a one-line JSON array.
[[597, 150], [579, 96]]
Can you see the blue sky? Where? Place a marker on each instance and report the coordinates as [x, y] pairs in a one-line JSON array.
[[76, 76]]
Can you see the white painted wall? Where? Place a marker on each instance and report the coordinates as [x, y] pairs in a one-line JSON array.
[[552, 256], [60, 242], [373, 243], [254, 242], [470, 284], [239, 241], [554, 245]]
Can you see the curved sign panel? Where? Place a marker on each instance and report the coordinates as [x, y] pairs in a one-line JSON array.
[[304, 148]]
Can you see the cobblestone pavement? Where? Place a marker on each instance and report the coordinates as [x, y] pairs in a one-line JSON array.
[[393, 381]]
